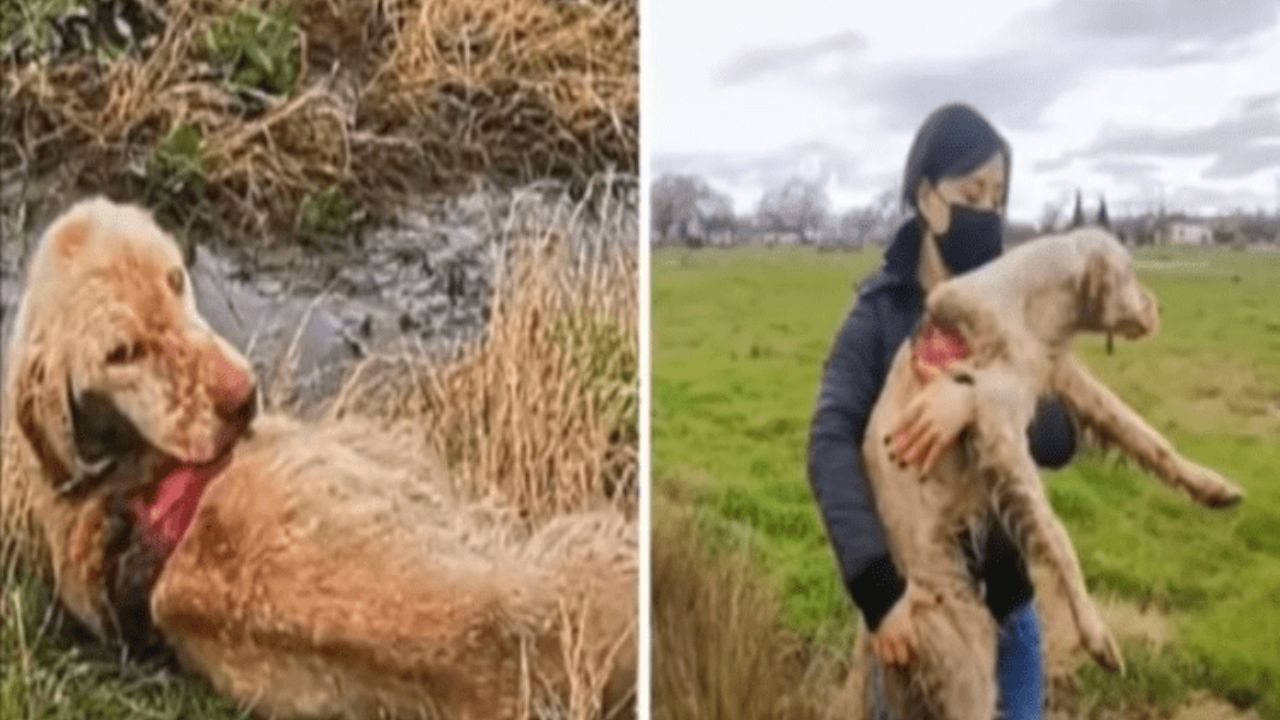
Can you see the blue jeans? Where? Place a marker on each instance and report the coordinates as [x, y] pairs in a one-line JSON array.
[[1019, 673]]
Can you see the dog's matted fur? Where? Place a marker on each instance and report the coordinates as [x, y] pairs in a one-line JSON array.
[[313, 569], [1017, 316]]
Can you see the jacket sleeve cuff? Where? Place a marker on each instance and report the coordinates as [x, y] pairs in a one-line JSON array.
[[876, 589]]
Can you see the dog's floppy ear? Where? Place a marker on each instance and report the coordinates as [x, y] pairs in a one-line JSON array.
[[43, 415], [76, 438], [1095, 287]]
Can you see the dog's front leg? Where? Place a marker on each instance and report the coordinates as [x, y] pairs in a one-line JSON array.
[[1102, 411]]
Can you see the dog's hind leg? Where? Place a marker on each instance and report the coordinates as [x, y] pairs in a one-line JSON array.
[[1101, 411], [281, 633]]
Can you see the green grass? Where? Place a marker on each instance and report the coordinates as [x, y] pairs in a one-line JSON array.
[[48, 673], [739, 338]]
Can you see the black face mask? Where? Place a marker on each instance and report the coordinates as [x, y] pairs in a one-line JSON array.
[[975, 238]]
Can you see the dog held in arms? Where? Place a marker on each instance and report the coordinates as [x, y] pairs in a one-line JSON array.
[[1002, 337], [306, 570]]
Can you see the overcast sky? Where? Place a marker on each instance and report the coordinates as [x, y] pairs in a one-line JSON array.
[[1136, 99]]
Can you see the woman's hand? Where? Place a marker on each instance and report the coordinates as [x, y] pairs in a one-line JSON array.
[[932, 422], [894, 641]]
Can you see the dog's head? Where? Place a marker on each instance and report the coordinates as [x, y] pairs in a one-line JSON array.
[[1111, 298], [112, 361]]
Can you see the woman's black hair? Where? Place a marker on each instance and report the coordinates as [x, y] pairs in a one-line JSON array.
[[954, 140]]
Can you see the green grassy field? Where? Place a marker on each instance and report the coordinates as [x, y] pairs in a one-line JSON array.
[[739, 338]]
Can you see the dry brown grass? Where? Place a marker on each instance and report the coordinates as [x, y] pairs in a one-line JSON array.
[[540, 412], [393, 98], [720, 649]]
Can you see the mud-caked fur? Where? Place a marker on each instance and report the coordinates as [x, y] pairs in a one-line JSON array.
[[1018, 316]]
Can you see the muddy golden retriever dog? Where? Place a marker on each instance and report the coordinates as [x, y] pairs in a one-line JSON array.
[[1013, 322], [306, 569]]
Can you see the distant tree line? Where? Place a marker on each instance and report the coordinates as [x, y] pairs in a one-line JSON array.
[[686, 210]]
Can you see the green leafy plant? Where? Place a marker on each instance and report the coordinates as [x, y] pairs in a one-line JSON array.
[[326, 213], [257, 50], [178, 163], [30, 22]]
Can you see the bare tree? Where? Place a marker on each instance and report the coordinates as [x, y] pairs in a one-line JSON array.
[[685, 207], [874, 223], [798, 206]]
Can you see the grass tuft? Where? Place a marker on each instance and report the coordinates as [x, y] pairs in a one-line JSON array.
[[540, 412], [720, 648]]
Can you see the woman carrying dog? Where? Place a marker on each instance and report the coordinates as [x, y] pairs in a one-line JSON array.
[[955, 182]]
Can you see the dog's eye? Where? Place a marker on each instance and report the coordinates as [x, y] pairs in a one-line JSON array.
[[176, 281], [125, 353]]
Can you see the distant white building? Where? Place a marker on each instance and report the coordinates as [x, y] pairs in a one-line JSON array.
[[1182, 232]]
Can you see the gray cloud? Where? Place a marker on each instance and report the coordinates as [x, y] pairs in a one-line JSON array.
[[1127, 170], [1054, 50], [1219, 137], [1240, 144], [1261, 103], [1013, 88], [1052, 165], [1239, 161], [1198, 197], [755, 63], [1163, 22]]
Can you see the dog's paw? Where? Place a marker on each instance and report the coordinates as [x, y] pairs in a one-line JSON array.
[[1211, 489], [1103, 648]]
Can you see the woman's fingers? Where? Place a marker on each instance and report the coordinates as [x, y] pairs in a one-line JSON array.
[[892, 649], [908, 424], [918, 445], [906, 646], [914, 434]]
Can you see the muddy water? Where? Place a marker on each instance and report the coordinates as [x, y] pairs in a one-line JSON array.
[[421, 283]]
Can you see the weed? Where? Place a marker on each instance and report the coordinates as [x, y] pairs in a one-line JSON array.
[[177, 164], [257, 50], [326, 214], [28, 24]]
